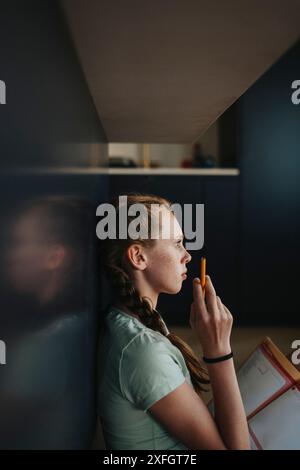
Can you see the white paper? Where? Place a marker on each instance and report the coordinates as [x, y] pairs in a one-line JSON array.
[[277, 427], [258, 380]]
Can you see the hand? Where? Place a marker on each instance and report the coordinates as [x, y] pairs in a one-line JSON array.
[[210, 319]]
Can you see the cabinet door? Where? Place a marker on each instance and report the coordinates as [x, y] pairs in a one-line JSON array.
[[221, 244]]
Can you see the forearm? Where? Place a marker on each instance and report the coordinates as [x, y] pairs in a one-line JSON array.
[[229, 410]]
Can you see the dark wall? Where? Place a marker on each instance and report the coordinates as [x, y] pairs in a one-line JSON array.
[[47, 386], [49, 118], [227, 136], [269, 148]]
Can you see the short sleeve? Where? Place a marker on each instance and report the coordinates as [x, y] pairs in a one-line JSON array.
[[148, 371]]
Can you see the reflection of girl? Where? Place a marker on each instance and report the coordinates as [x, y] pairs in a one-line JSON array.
[[47, 255], [46, 399], [150, 381]]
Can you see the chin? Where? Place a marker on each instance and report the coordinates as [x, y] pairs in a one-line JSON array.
[[173, 289]]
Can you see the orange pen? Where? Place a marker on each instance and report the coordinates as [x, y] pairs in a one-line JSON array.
[[203, 273]]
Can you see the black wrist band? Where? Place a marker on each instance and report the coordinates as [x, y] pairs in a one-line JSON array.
[[217, 359]]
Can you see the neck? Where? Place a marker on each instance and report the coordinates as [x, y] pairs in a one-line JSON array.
[[144, 289]]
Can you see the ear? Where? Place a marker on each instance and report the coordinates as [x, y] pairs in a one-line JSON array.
[[55, 257], [137, 257]]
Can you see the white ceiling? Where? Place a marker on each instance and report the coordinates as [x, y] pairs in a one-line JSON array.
[[164, 70]]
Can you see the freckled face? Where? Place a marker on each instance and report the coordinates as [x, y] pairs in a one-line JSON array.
[[167, 258]]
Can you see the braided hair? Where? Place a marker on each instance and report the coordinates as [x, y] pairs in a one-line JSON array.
[[112, 252]]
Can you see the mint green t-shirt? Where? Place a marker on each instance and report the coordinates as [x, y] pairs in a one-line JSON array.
[[136, 367]]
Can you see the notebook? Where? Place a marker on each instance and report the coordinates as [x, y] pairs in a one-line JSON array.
[[270, 390]]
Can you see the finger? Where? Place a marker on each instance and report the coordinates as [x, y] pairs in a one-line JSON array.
[[197, 291], [221, 307], [199, 304], [228, 312], [211, 298]]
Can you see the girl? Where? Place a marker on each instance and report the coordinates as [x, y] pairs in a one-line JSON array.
[[150, 381]]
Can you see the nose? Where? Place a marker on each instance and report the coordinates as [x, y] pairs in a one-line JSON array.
[[188, 257]]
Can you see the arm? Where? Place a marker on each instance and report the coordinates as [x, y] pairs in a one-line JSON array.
[[183, 411], [229, 409], [186, 416]]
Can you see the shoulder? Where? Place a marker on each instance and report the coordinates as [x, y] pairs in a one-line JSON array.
[[136, 344], [148, 349], [126, 330], [149, 369], [148, 339]]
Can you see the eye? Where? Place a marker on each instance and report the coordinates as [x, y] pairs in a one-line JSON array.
[[179, 242]]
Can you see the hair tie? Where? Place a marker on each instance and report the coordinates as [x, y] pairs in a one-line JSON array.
[[211, 360]]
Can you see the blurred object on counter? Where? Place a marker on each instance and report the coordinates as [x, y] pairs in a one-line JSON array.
[[187, 163], [199, 160], [121, 162], [155, 164], [146, 156]]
